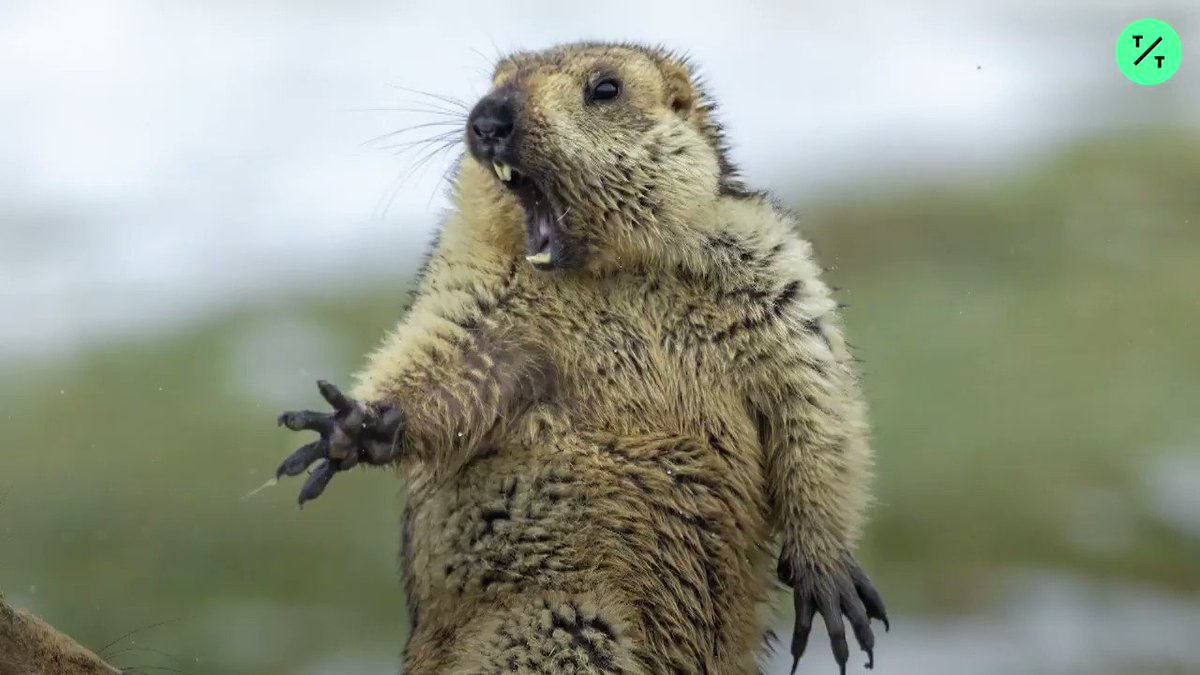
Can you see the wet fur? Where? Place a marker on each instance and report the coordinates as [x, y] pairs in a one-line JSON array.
[[602, 460]]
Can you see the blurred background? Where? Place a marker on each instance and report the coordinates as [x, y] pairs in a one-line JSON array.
[[196, 223]]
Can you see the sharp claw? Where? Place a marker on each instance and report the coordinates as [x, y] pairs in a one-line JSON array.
[[873, 613], [299, 420], [334, 396], [832, 616], [856, 614], [869, 596], [301, 459], [317, 480], [846, 591], [841, 651], [804, 616]]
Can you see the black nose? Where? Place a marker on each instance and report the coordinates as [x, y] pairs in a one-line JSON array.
[[492, 121]]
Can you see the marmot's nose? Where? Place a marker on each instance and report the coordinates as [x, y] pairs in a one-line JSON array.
[[492, 121]]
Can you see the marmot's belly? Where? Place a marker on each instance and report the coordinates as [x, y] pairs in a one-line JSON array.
[[675, 526]]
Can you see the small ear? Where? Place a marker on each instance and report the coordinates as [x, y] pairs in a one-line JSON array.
[[680, 92]]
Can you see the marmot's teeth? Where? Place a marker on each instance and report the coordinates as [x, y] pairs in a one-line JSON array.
[[539, 258], [503, 171]]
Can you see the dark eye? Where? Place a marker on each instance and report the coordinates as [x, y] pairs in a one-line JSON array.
[[605, 90]]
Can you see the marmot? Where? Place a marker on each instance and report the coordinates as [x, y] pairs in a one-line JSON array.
[[621, 379]]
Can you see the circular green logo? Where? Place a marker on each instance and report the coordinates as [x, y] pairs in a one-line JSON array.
[[1148, 51]]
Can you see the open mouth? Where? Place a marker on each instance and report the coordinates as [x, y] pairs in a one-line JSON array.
[[543, 236]]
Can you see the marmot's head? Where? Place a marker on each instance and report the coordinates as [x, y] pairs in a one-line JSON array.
[[609, 149]]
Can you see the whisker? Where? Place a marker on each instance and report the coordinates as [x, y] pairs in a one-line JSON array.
[[430, 154], [488, 63], [394, 189], [414, 127], [481, 72], [452, 114], [456, 114], [415, 167], [447, 135], [168, 669], [418, 151], [442, 178], [385, 201], [436, 137], [453, 168], [499, 52], [426, 146], [458, 103], [439, 135], [145, 650], [133, 632]]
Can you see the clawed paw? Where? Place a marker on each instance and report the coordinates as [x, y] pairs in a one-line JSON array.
[[352, 433], [841, 589]]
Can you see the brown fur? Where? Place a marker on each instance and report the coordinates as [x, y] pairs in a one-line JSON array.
[[599, 458], [30, 646]]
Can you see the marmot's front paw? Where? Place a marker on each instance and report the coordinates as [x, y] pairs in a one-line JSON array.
[[353, 433], [842, 588]]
